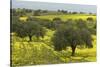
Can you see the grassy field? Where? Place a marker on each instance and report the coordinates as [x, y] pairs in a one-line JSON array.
[[65, 17]]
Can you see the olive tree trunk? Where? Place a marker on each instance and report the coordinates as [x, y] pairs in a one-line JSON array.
[[30, 38], [73, 47]]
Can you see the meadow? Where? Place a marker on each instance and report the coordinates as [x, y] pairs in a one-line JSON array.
[[66, 17], [63, 17]]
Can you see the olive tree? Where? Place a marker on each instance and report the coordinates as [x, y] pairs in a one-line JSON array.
[[90, 19], [29, 29], [71, 35], [57, 22]]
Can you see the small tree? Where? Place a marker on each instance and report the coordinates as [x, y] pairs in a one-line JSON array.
[[37, 12], [71, 36], [29, 29], [46, 23], [57, 22], [90, 19], [81, 24]]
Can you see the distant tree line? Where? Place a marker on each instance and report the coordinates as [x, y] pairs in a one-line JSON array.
[[38, 12]]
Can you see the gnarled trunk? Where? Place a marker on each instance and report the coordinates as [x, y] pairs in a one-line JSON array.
[[30, 38], [73, 47]]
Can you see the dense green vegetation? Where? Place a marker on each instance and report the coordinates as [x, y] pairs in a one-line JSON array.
[[51, 37]]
